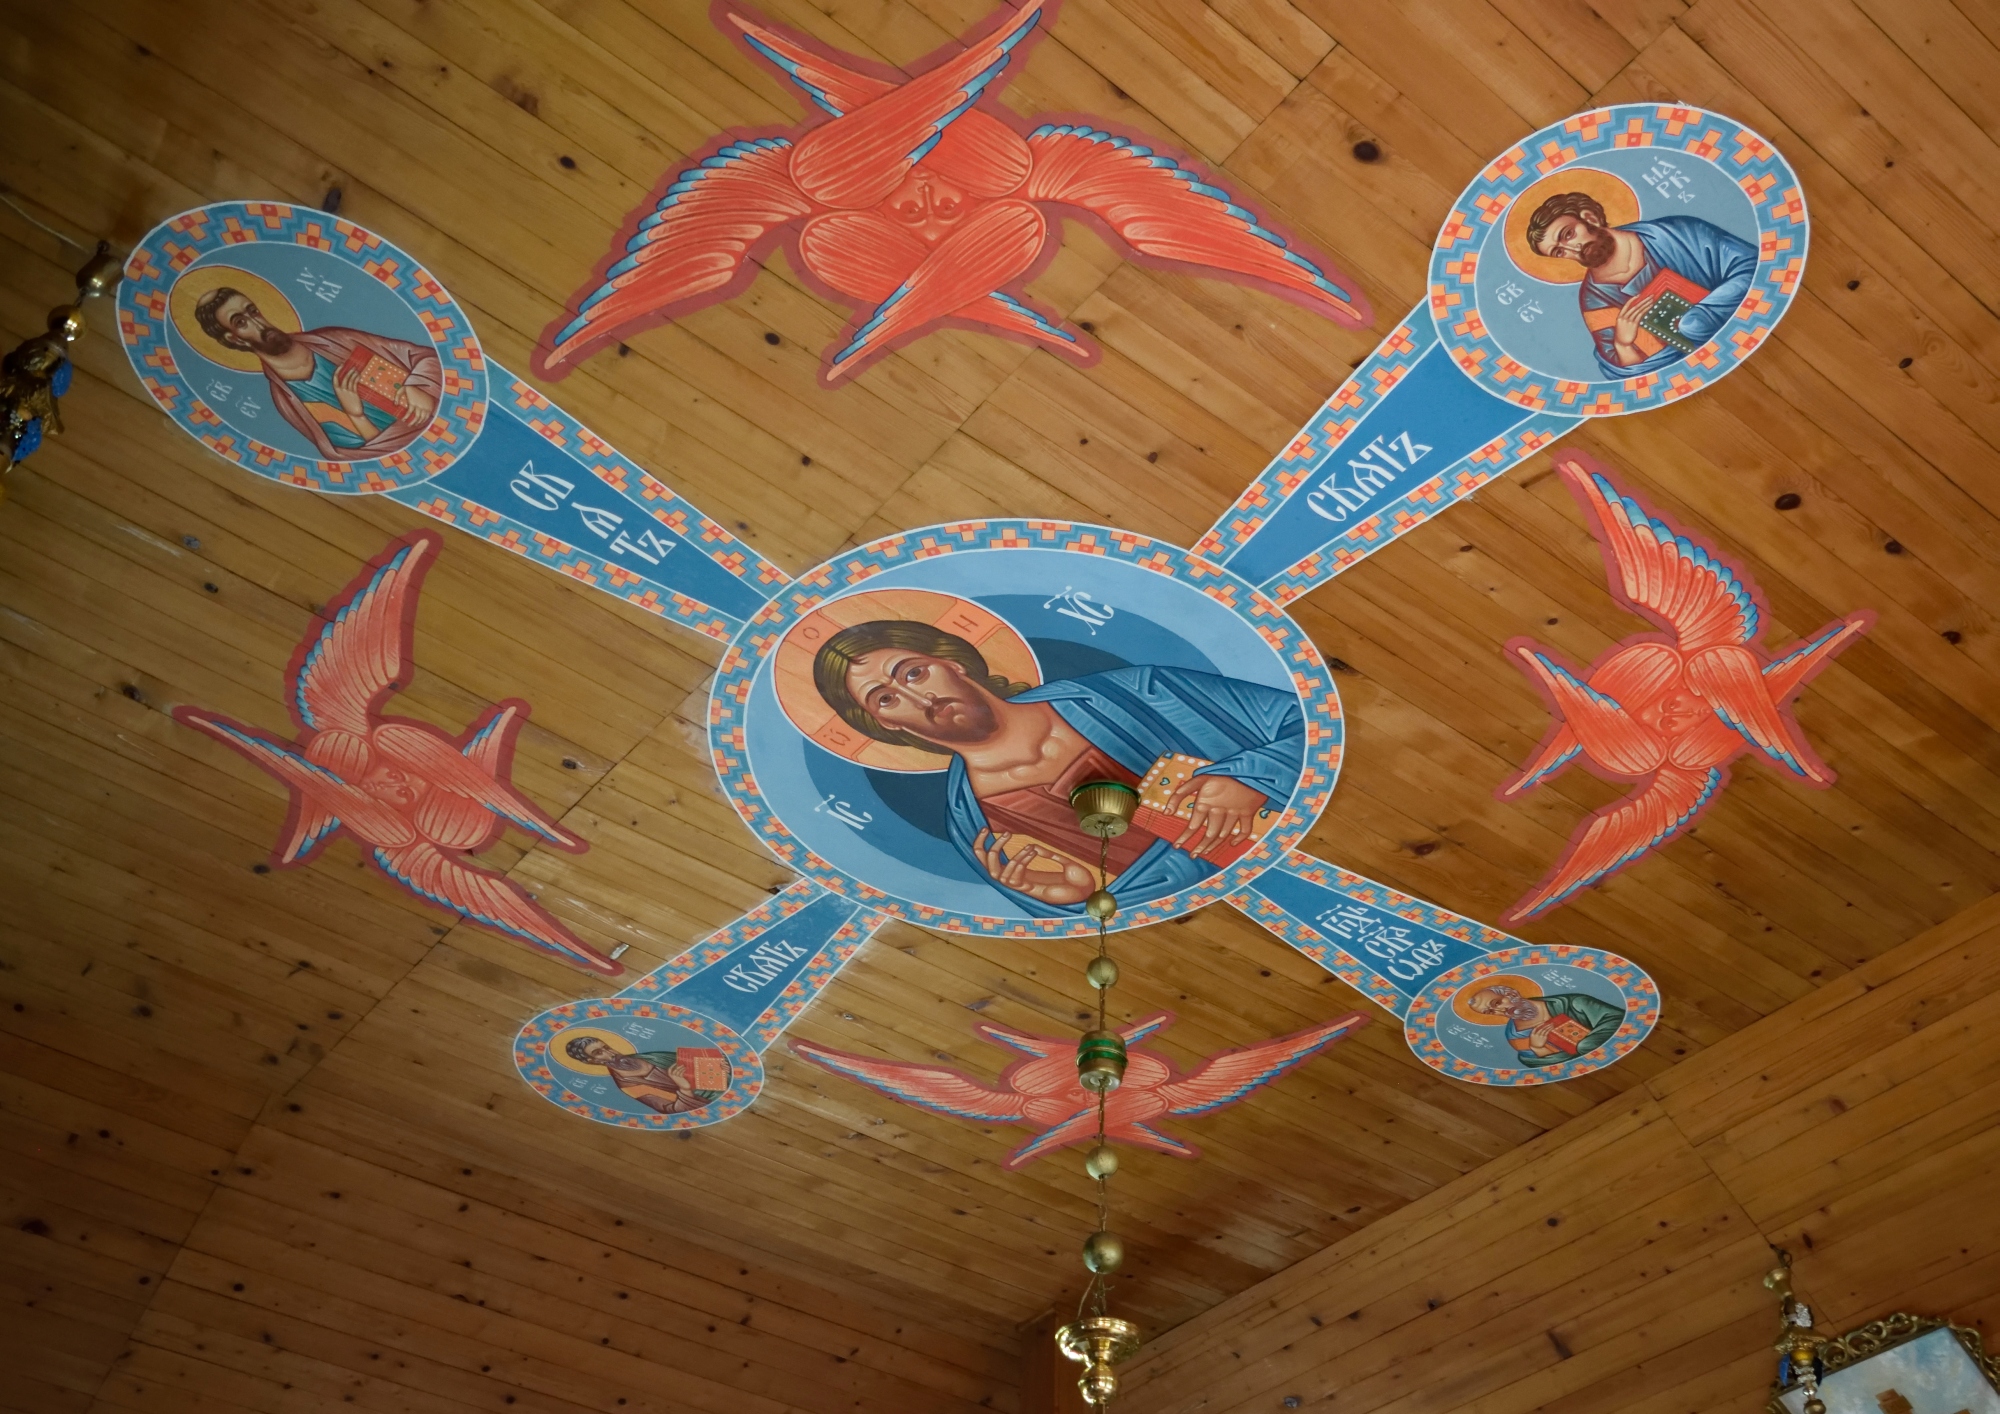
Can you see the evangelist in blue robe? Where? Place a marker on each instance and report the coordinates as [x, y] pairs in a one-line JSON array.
[[1251, 733], [1695, 250]]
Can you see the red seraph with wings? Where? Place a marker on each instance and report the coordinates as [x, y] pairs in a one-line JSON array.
[[920, 201], [1667, 710], [418, 801], [1041, 1091]]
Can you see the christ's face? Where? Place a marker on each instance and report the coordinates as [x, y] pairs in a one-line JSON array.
[[1583, 238], [248, 328], [932, 698]]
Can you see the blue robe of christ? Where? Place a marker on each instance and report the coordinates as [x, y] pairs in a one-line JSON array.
[[1695, 250], [1251, 733]]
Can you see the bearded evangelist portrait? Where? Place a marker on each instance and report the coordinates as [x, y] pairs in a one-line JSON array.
[[1653, 291], [1214, 759], [352, 394]]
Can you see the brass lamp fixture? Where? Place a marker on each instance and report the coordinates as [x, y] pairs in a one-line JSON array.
[[1099, 1340], [1800, 1348], [38, 372]]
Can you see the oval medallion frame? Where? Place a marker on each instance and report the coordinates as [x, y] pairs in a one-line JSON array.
[[622, 1013], [330, 253], [1655, 139], [1424, 1025]]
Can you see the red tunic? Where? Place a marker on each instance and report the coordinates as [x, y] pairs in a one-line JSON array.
[[1044, 812]]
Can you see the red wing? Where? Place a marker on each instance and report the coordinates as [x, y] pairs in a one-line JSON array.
[[1018, 319], [426, 753], [489, 900], [1049, 1070], [1226, 1078], [453, 822], [322, 801], [857, 160], [866, 255], [1616, 836], [696, 243], [362, 654], [1787, 674], [1710, 742], [491, 748], [996, 244], [1074, 1130], [828, 82], [982, 154], [1604, 728], [862, 254], [1146, 1137], [1137, 1031], [930, 1087], [1562, 745], [1729, 678], [1638, 673], [1163, 210], [1022, 1041], [1665, 576]]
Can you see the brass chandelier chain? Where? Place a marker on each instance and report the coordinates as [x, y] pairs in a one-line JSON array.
[[1096, 1338]]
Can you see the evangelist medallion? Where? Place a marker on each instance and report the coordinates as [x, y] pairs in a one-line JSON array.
[[302, 347]]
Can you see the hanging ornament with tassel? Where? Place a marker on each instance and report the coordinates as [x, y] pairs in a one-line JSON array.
[[1799, 1347], [37, 373]]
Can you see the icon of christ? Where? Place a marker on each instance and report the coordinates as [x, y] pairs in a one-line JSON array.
[[1213, 758]]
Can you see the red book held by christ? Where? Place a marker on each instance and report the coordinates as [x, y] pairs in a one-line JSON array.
[[1156, 790]]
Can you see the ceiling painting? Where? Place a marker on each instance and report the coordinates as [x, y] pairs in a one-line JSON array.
[[1041, 1091], [1612, 263], [900, 725], [683, 1046], [417, 800], [1475, 1003], [1667, 710], [918, 201]]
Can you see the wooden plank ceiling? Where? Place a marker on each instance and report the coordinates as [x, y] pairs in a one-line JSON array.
[[265, 1149], [1617, 1264]]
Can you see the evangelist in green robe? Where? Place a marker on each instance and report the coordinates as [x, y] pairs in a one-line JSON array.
[[1601, 1017]]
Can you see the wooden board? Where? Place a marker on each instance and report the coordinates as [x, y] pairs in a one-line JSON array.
[[1614, 1263]]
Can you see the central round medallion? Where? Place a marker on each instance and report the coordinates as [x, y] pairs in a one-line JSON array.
[[906, 723]]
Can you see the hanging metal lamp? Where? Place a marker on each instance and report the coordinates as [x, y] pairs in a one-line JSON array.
[[1096, 1339]]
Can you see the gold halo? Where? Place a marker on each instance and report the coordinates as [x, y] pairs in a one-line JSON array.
[[559, 1043], [1005, 651], [1621, 208], [269, 299], [1526, 986]]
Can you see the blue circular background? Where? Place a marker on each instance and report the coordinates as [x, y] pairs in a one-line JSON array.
[[1171, 610]]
